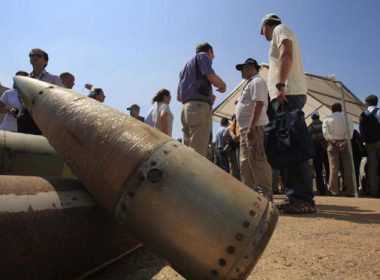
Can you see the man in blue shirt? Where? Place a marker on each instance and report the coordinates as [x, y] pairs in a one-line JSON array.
[[195, 93]]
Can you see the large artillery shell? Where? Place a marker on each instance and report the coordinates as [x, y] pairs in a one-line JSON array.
[[31, 155], [52, 228], [207, 224]]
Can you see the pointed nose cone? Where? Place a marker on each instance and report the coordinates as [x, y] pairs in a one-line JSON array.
[[207, 224], [30, 89]]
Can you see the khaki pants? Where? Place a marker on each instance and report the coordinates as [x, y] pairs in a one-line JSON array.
[[335, 158], [196, 121], [254, 167]]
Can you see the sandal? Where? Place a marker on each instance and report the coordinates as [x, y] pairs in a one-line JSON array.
[[283, 204], [300, 207]]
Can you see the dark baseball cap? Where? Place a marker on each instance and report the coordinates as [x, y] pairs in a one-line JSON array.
[[248, 61], [134, 106]]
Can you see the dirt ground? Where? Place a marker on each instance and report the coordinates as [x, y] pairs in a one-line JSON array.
[[341, 241]]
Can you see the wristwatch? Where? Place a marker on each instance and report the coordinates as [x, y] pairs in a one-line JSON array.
[[279, 86]]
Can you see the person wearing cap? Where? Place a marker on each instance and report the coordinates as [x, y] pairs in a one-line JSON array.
[[135, 112], [221, 143], [39, 60], [195, 93], [287, 89], [251, 116], [320, 160]]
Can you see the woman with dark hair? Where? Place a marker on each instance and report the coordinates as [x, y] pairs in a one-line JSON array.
[[162, 116]]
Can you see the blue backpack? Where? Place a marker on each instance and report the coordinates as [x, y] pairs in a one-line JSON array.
[[369, 127], [286, 140]]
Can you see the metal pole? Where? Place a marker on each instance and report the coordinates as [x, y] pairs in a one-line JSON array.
[[348, 139]]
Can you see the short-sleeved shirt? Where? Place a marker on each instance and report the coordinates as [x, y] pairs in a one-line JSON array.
[[220, 137], [188, 86], [149, 118], [255, 90], [334, 127], [12, 99], [49, 78], [156, 116], [296, 83]]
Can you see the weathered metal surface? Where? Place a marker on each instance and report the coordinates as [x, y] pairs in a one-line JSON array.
[[207, 224], [52, 228], [25, 154]]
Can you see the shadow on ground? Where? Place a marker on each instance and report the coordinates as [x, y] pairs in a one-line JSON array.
[[346, 213]]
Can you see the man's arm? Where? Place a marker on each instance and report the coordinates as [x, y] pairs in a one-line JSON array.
[[326, 130], [164, 121], [217, 82], [4, 108], [286, 59], [256, 111]]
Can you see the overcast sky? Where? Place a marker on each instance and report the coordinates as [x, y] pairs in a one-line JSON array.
[[133, 48]]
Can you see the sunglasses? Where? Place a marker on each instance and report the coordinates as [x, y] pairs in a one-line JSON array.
[[38, 55]]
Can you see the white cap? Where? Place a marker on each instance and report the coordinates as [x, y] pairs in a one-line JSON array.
[[314, 114], [272, 16]]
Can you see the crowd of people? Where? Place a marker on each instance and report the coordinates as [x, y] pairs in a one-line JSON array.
[[239, 145]]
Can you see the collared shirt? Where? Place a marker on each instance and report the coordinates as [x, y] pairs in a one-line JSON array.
[[255, 90], [12, 99], [334, 127], [188, 83], [220, 137], [47, 77], [369, 111], [296, 83]]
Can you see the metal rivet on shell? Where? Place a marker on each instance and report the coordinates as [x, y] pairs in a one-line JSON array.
[[222, 262], [246, 224], [155, 175], [231, 249], [239, 236], [214, 273]]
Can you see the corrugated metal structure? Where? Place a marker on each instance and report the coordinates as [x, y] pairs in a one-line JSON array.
[[322, 93], [2, 89]]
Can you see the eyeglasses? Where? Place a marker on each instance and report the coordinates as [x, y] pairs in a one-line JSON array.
[[38, 55]]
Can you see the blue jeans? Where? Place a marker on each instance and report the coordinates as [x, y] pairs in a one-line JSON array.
[[297, 179], [222, 160]]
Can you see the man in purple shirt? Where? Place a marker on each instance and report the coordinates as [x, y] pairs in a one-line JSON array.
[[195, 93]]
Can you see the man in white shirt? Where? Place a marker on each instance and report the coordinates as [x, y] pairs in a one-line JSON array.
[[287, 89], [334, 131], [10, 104], [252, 118]]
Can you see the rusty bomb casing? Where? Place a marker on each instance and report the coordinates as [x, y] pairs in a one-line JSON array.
[[52, 228], [30, 155], [206, 224]]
